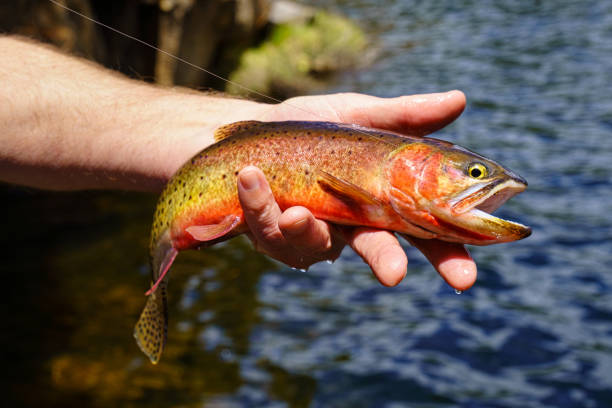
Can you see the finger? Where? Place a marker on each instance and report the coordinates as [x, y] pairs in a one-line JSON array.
[[411, 114], [382, 251], [414, 114], [452, 261], [309, 235], [260, 209]]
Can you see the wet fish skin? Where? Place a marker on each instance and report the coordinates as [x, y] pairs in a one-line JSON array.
[[416, 186]]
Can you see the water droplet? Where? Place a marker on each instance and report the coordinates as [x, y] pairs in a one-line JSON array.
[[458, 292], [227, 355], [329, 261], [303, 270]]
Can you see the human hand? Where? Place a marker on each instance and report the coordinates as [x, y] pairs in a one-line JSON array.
[[298, 239]]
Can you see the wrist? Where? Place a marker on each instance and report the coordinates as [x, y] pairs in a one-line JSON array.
[[177, 124], [69, 124]]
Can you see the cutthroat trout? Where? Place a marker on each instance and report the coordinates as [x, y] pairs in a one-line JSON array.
[[416, 186]]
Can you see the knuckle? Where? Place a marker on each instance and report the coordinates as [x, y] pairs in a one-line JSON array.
[[256, 204]]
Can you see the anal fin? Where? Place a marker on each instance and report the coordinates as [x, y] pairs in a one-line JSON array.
[[163, 270]]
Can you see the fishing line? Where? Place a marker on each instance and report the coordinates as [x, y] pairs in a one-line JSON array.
[[184, 61]]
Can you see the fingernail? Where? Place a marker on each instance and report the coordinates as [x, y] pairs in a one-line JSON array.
[[249, 180], [298, 226]]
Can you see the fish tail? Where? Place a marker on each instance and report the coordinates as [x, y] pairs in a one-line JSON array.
[[151, 329]]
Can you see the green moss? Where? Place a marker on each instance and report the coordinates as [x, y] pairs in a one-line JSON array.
[[295, 56]]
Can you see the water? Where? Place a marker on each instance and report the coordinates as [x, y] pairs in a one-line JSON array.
[[535, 331]]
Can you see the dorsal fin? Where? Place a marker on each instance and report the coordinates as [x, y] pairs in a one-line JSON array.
[[226, 131]]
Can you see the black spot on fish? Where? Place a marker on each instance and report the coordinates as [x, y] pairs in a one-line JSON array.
[[236, 173], [200, 194], [359, 138], [306, 172], [225, 176]]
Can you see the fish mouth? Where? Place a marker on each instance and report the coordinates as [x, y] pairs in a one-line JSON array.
[[474, 208]]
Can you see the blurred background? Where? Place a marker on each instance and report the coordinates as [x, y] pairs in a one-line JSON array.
[[535, 330]]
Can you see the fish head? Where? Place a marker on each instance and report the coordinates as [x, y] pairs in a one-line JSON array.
[[452, 192]]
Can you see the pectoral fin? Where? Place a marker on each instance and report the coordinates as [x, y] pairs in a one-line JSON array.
[[348, 192], [213, 231]]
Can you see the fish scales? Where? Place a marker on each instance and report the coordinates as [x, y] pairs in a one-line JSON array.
[[288, 155], [419, 187]]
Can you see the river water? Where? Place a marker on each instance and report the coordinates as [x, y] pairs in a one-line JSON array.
[[535, 330]]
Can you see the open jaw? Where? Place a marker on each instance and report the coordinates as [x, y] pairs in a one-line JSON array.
[[473, 209]]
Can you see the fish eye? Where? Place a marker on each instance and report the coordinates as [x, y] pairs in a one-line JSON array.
[[477, 171]]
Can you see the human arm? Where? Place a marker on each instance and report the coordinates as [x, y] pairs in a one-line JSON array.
[[67, 124]]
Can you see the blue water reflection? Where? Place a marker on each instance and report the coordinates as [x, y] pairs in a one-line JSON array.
[[536, 330]]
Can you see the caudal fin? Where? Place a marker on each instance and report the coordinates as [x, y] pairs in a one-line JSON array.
[[152, 326]]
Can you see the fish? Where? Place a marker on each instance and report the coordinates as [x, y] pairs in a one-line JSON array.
[[415, 186]]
